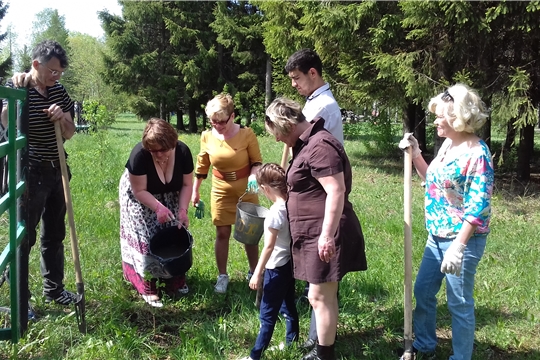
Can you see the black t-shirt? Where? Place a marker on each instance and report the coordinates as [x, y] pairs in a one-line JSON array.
[[141, 163]]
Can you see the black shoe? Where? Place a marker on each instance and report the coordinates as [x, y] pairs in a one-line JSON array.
[[309, 344], [321, 353], [312, 355], [64, 298]]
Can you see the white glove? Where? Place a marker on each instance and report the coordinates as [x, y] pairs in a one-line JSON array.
[[410, 141], [453, 257], [252, 186], [21, 80]]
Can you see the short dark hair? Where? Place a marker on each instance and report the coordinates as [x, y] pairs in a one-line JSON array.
[[159, 133], [47, 49], [304, 60]]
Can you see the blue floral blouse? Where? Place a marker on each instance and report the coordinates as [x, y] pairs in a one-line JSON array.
[[459, 189]]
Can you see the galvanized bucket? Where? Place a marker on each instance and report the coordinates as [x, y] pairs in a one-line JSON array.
[[249, 225]]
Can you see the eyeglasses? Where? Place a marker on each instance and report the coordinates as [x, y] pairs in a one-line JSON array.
[[446, 96], [158, 151], [54, 72], [220, 122]]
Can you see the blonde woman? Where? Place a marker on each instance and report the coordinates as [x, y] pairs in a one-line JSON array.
[[233, 152], [459, 185]]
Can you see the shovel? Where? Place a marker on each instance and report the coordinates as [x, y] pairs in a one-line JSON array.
[[80, 310], [407, 222]]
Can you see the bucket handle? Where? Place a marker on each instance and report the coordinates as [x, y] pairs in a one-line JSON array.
[[240, 198]]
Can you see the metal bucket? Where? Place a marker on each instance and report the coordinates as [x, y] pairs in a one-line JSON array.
[[173, 248], [249, 225]]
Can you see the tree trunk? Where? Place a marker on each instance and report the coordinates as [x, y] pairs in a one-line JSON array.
[[268, 87], [525, 151], [180, 120], [485, 132], [420, 127], [415, 122], [192, 117], [510, 136], [408, 120]]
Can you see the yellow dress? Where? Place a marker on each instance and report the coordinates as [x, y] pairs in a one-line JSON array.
[[228, 155]]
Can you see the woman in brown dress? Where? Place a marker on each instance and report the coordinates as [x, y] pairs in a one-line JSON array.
[[327, 239]]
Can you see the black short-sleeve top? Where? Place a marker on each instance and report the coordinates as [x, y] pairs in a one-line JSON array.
[[141, 163]]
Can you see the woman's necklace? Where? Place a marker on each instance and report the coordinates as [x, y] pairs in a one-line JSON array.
[[161, 163]]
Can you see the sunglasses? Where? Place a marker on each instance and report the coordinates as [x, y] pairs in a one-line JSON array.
[[220, 122], [447, 97]]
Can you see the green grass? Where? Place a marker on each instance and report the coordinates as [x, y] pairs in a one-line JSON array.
[[204, 325]]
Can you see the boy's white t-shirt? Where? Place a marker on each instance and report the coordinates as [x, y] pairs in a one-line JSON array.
[[277, 219]]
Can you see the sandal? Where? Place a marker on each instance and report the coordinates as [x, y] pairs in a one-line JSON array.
[[153, 300]]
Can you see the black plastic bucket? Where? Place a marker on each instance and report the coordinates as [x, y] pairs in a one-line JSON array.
[[172, 246]]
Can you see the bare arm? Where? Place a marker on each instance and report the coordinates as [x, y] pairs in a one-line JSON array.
[[196, 196], [421, 166], [138, 185], [185, 192], [334, 186], [270, 236], [67, 125], [467, 230]]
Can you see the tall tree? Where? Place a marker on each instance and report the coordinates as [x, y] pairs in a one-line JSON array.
[[6, 61], [49, 25], [242, 57]]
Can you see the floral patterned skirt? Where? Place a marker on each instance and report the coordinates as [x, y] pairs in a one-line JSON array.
[[138, 224]]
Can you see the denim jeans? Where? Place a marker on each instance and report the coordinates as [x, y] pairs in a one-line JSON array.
[[46, 202], [459, 296], [278, 297]]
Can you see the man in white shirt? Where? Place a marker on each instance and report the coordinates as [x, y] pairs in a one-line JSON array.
[[305, 71]]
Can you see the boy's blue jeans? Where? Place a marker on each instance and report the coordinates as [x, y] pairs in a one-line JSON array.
[[278, 297], [459, 295]]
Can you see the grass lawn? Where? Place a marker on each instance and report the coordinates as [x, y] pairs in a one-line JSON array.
[[204, 325]]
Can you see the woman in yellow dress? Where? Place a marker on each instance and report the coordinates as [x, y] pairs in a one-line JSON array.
[[233, 152]]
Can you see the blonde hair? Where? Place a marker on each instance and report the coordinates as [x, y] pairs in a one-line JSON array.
[[281, 115], [221, 104], [465, 111]]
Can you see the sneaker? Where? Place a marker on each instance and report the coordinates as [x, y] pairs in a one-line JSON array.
[[183, 290], [246, 358], [221, 284], [279, 347], [64, 298], [31, 312], [418, 355], [249, 275], [153, 300]]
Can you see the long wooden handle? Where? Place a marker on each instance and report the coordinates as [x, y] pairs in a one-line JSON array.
[[407, 218], [69, 204], [285, 156]]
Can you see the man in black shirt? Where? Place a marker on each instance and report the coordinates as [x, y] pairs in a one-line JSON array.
[[48, 103]]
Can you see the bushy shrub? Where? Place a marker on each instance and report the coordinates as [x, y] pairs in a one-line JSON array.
[[258, 128], [382, 133]]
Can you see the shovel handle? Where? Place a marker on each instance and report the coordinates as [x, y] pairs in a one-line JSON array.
[[69, 203], [407, 220], [80, 308]]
